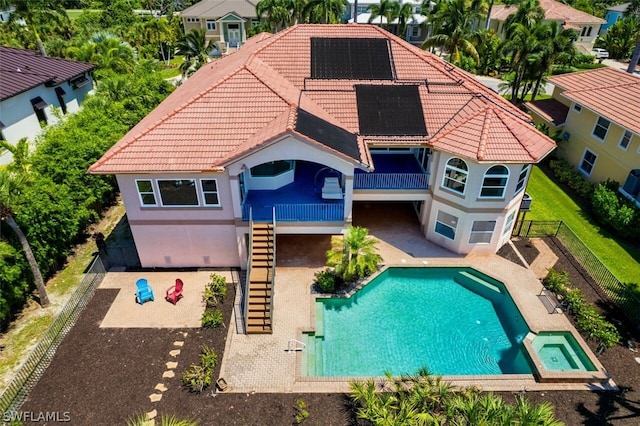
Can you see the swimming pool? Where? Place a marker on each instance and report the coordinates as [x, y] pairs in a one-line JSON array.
[[454, 321]]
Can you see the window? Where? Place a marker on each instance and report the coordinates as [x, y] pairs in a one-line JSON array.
[[178, 192], [624, 142], [193, 20], [272, 168], [211, 25], [455, 175], [522, 179], [602, 127], [588, 161], [210, 192], [589, 31], [145, 192], [577, 108], [482, 231], [416, 31], [509, 223], [446, 225], [39, 105], [494, 183]]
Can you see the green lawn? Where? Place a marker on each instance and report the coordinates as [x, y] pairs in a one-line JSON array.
[[173, 70], [552, 203], [74, 13]]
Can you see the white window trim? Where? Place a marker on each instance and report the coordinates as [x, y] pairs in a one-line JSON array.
[[180, 206], [593, 165], [153, 191], [593, 132], [508, 224], [527, 170], [444, 176], [577, 108], [504, 187], [203, 193], [625, 133], [212, 23], [491, 233]]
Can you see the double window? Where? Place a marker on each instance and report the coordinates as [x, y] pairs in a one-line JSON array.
[[626, 139], [446, 224], [588, 161], [482, 231], [522, 179], [494, 182], [178, 192], [601, 129], [211, 25], [455, 175]]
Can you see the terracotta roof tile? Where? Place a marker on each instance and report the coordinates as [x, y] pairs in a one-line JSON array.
[[551, 110], [251, 97], [608, 92], [554, 11]]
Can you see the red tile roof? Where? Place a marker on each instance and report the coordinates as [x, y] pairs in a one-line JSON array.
[[609, 92], [21, 70], [553, 10], [251, 97], [551, 110]]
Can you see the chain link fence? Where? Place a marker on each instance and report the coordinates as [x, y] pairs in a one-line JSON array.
[[40, 357], [619, 293]]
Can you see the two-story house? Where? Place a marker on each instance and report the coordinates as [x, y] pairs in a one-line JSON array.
[[599, 115], [226, 21], [613, 14], [416, 30], [587, 26], [31, 86], [297, 127]]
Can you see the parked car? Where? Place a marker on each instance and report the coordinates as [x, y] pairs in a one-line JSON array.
[[599, 53]]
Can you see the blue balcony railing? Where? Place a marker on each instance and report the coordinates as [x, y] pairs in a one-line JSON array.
[[310, 212], [391, 181]]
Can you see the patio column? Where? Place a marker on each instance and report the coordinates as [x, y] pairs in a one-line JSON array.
[[348, 197]]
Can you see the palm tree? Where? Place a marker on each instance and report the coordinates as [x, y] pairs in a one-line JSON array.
[[554, 41], [276, 12], [386, 9], [452, 30], [195, 48], [355, 255], [324, 11], [634, 58], [529, 14], [404, 14], [13, 180], [520, 47]]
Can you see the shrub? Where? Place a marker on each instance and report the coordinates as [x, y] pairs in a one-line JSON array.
[[215, 291], [326, 280], [211, 318], [302, 414], [208, 357], [199, 377]]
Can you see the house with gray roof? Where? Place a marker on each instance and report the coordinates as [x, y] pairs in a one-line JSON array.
[[613, 15], [33, 86], [226, 21]]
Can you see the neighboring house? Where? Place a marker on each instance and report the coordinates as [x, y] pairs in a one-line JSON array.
[[32, 86], [226, 21], [613, 15], [600, 123], [307, 122], [587, 26], [416, 31]]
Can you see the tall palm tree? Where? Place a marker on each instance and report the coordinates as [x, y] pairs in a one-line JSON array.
[[404, 14], [386, 9], [324, 11], [13, 180], [635, 57], [554, 42], [521, 47], [529, 14], [453, 21], [276, 13], [195, 48], [355, 256]]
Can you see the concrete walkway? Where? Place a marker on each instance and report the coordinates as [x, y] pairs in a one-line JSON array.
[[546, 258]]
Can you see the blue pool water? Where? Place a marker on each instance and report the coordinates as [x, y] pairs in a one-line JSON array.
[[454, 321]]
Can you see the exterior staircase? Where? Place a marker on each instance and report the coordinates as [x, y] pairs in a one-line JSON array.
[[260, 279]]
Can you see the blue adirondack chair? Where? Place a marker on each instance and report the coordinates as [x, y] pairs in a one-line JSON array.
[[144, 292]]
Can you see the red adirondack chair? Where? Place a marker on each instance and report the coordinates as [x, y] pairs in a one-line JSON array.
[[174, 293]]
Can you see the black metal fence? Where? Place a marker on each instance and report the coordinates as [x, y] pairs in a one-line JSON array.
[[34, 366], [618, 292]]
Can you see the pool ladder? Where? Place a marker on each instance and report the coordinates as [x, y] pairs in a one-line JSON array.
[[292, 345]]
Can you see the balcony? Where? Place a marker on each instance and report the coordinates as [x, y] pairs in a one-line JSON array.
[[393, 172]]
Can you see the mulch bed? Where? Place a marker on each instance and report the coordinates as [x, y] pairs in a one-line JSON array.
[[105, 376]]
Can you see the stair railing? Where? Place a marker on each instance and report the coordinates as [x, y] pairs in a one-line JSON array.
[[248, 274]]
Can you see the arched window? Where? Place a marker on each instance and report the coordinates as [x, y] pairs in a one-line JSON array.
[[455, 175], [494, 182]]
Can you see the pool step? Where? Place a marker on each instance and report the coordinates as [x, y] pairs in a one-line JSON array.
[[477, 284], [319, 342], [309, 363]]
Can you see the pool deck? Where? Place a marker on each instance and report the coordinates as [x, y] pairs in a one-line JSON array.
[[262, 363]]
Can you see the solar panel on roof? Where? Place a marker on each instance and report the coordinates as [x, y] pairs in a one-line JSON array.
[[328, 134], [351, 58], [390, 110]]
